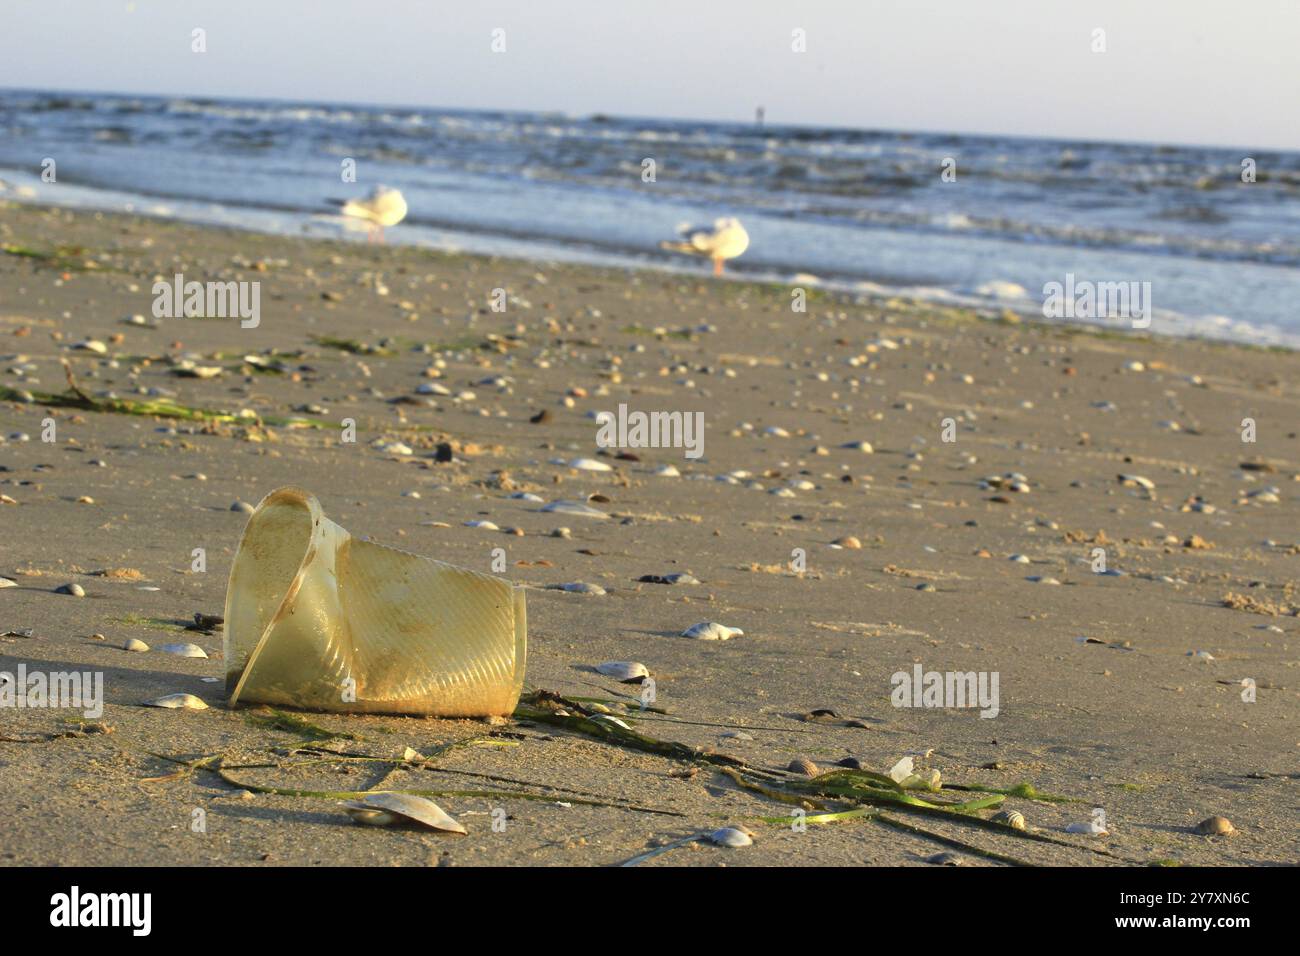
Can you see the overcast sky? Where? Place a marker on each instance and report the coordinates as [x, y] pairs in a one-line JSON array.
[[1189, 71]]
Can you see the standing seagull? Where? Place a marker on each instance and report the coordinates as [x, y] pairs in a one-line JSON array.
[[383, 207], [726, 240]]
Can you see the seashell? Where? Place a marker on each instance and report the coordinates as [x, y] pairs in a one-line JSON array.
[[528, 496], [589, 464], [1136, 481], [394, 809], [676, 578], [182, 650], [573, 508], [484, 525], [91, 345], [177, 702], [1092, 827], [849, 542], [1040, 579], [6, 583], [804, 766], [712, 631], [862, 446], [736, 735], [318, 620], [667, 471], [623, 670], [577, 587], [1216, 826], [76, 590], [137, 645], [733, 837], [1010, 818]]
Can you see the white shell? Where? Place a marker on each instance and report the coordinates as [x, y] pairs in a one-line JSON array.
[[177, 702], [731, 837], [135, 644], [623, 670], [667, 471], [1091, 827], [573, 508], [577, 587], [589, 464], [387, 809], [6, 583], [181, 650], [862, 446], [1131, 480], [712, 631]]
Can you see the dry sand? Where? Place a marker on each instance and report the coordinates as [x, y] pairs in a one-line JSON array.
[[1133, 724]]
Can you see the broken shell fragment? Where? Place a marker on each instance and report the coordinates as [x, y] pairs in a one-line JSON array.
[[319, 620], [623, 670], [712, 631], [183, 650], [177, 702], [573, 508], [731, 837], [1215, 826], [1136, 481], [395, 809]]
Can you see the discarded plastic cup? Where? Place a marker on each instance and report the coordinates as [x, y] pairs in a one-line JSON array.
[[319, 620]]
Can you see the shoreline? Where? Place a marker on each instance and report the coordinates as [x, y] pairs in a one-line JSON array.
[[965, 308]]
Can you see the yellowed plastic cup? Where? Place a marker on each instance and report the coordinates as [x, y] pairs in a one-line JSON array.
[[319, 620]]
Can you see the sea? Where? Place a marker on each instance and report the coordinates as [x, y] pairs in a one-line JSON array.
[[1211, 234]]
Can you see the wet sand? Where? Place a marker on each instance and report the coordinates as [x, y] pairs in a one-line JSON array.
[[1103, 697]]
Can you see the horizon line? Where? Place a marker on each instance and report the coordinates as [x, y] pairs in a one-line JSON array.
[[662, 119]]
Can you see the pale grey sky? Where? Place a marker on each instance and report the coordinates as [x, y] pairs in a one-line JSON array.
[[1190, 71]]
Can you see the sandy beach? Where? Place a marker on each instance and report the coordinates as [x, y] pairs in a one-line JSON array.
[[843, 564]]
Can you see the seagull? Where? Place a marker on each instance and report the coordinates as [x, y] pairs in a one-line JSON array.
[[383, 207], [726, 240]]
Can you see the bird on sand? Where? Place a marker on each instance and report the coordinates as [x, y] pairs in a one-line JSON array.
[[383, 207], [726, 240]]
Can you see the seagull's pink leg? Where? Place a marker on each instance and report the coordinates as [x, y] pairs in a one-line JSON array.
[[717, 267]]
